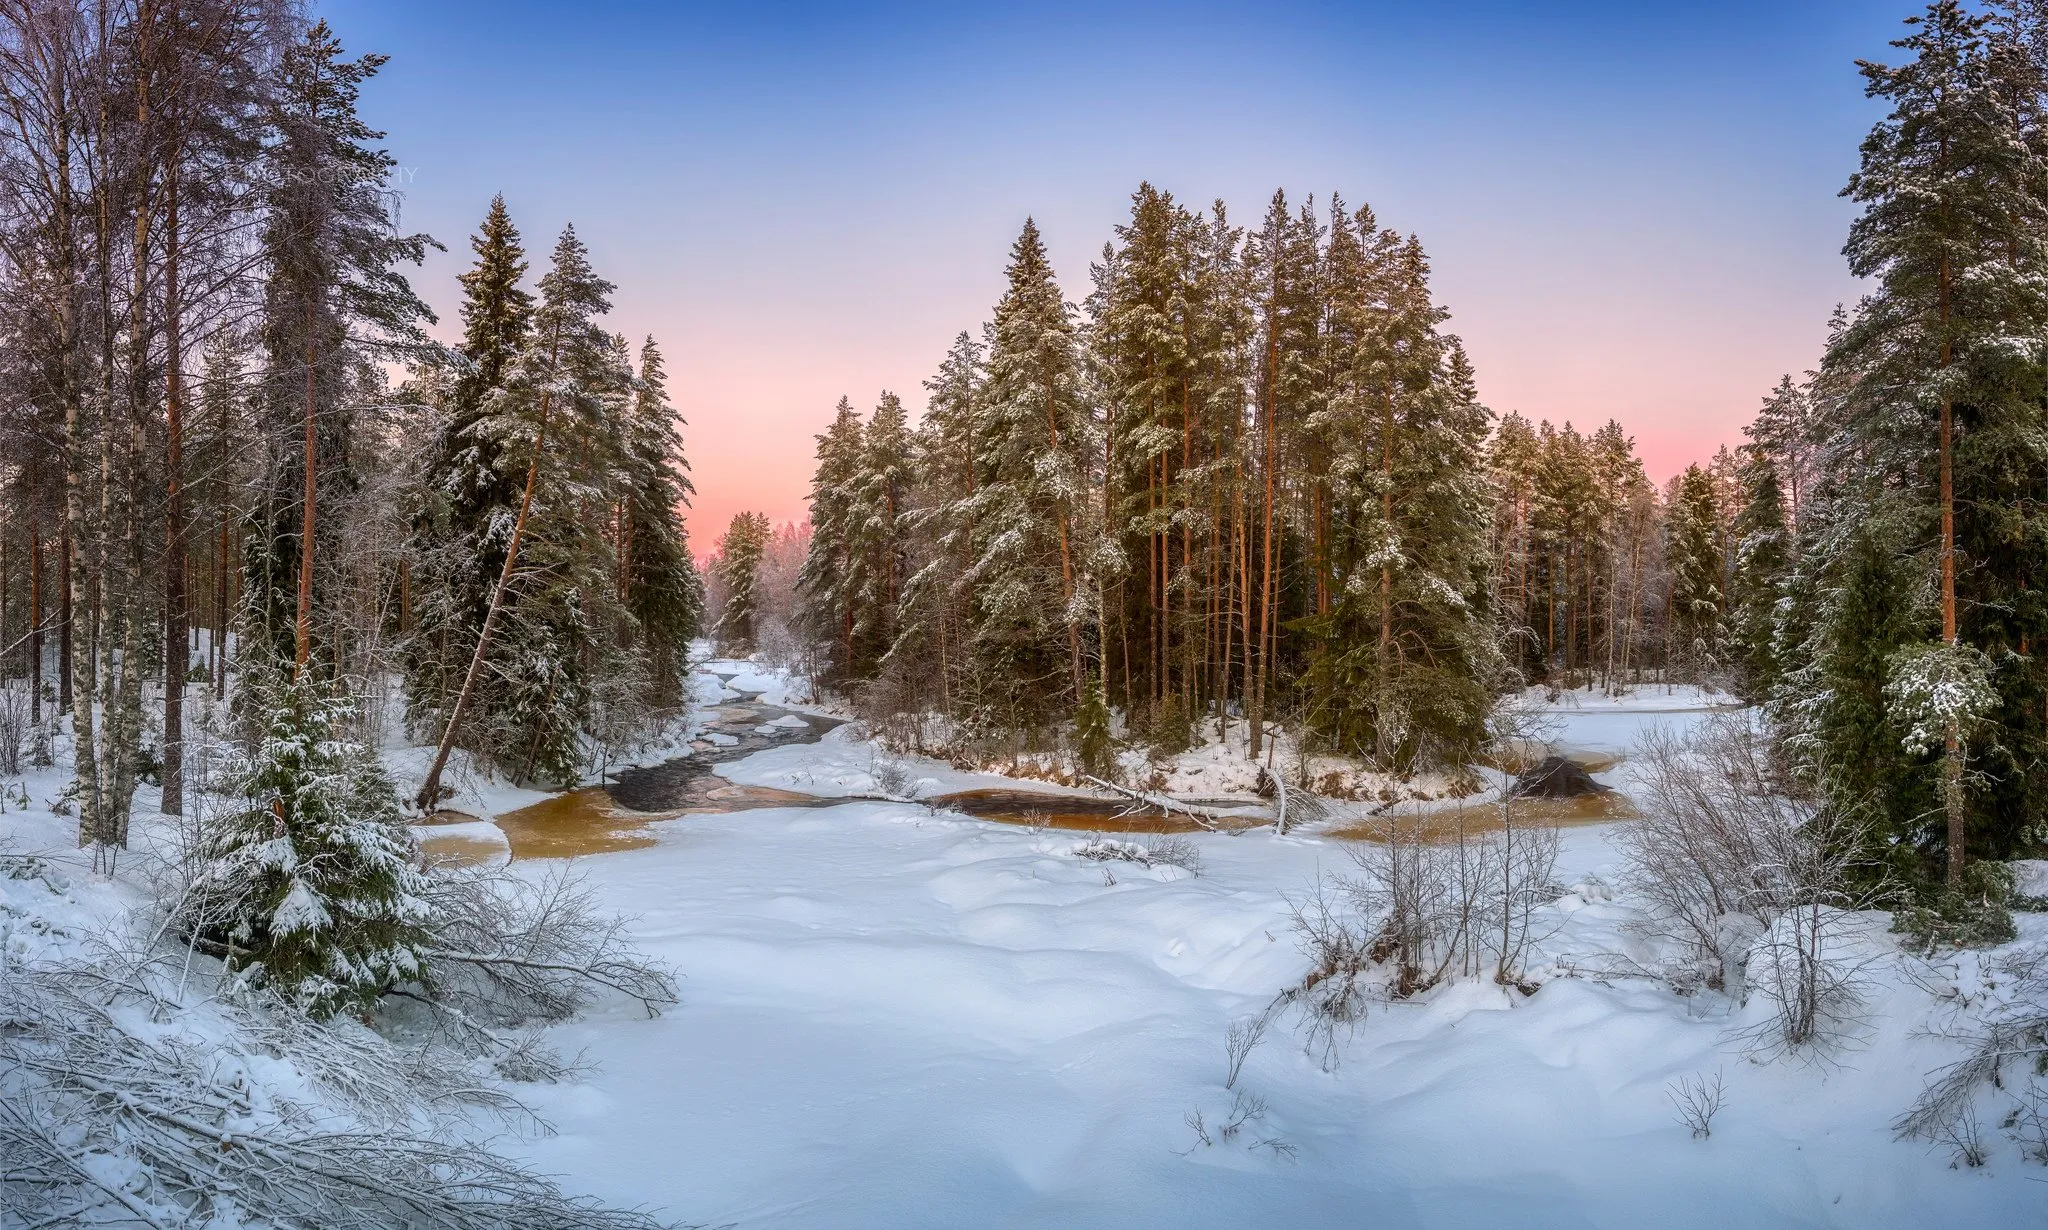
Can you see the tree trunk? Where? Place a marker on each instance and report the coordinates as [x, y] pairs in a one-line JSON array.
[[302, 624], [430, 789], [177, 661]]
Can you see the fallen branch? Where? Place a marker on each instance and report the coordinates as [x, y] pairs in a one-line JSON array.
[[1204, 816]]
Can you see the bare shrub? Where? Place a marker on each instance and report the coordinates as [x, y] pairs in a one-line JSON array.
[[505, 951], [16, 716], [1697, 1100], [1335, 993], [1752, 876], [1244, 1038], [1247, 1111], [1174, 850], [1966, 1143], [1454, 904]]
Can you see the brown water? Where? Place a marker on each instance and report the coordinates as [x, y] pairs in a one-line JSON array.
[[1480, 818]]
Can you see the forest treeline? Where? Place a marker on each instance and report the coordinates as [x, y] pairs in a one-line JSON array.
[[238, 474], [1248, 479]]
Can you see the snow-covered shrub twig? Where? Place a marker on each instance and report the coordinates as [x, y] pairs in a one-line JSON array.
[[120, 1105], [2011, 1034], [502, 950], [1168, 850], [1754, 876], [1697, 1100], [1244, 1038]]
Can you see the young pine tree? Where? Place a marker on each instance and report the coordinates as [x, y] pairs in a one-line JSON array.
[[311, 875]]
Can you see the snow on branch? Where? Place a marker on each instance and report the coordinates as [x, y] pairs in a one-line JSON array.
[[120, 1106]]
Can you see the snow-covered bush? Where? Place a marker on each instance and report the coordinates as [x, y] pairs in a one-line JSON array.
[[500, 951], [124, 1102], [2003, 1021], [1756, 880], [1164, 850], [309, 881]]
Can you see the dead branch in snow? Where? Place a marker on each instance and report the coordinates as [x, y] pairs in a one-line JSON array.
[[505, 950], [1206, 817], [118, 1104]]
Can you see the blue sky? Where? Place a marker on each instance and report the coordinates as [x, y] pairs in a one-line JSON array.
[[1631, 208]]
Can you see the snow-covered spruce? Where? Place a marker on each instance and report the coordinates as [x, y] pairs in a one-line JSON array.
[[309, 882]]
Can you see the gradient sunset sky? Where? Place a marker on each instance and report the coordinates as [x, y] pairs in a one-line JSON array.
[[1631, 207]]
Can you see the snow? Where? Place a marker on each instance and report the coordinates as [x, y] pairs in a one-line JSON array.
[[842, 765], [899, 1017]]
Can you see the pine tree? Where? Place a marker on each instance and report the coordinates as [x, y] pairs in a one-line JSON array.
[[827, 600], [1283, 269], [1145, 329], [332, 299], [1762, 562], [311, 878], [1030, 601], [662, 589], [739, 571], [1403, 656], [1693, 547], [1945, 409]]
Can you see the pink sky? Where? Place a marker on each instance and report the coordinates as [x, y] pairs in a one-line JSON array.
[[1631, 208]]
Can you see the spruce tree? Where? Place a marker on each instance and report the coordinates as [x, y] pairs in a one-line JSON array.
[[663, 592], [1762, 562], [310, 877], [497, 313], [828, 601], [1030, 596], [466, 485], [552, 422], [1694, 550], [927, 658], [876, 546], [739, 572]]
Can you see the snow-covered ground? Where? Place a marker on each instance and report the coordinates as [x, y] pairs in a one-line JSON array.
[[893, 1018], [896, 1017]]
